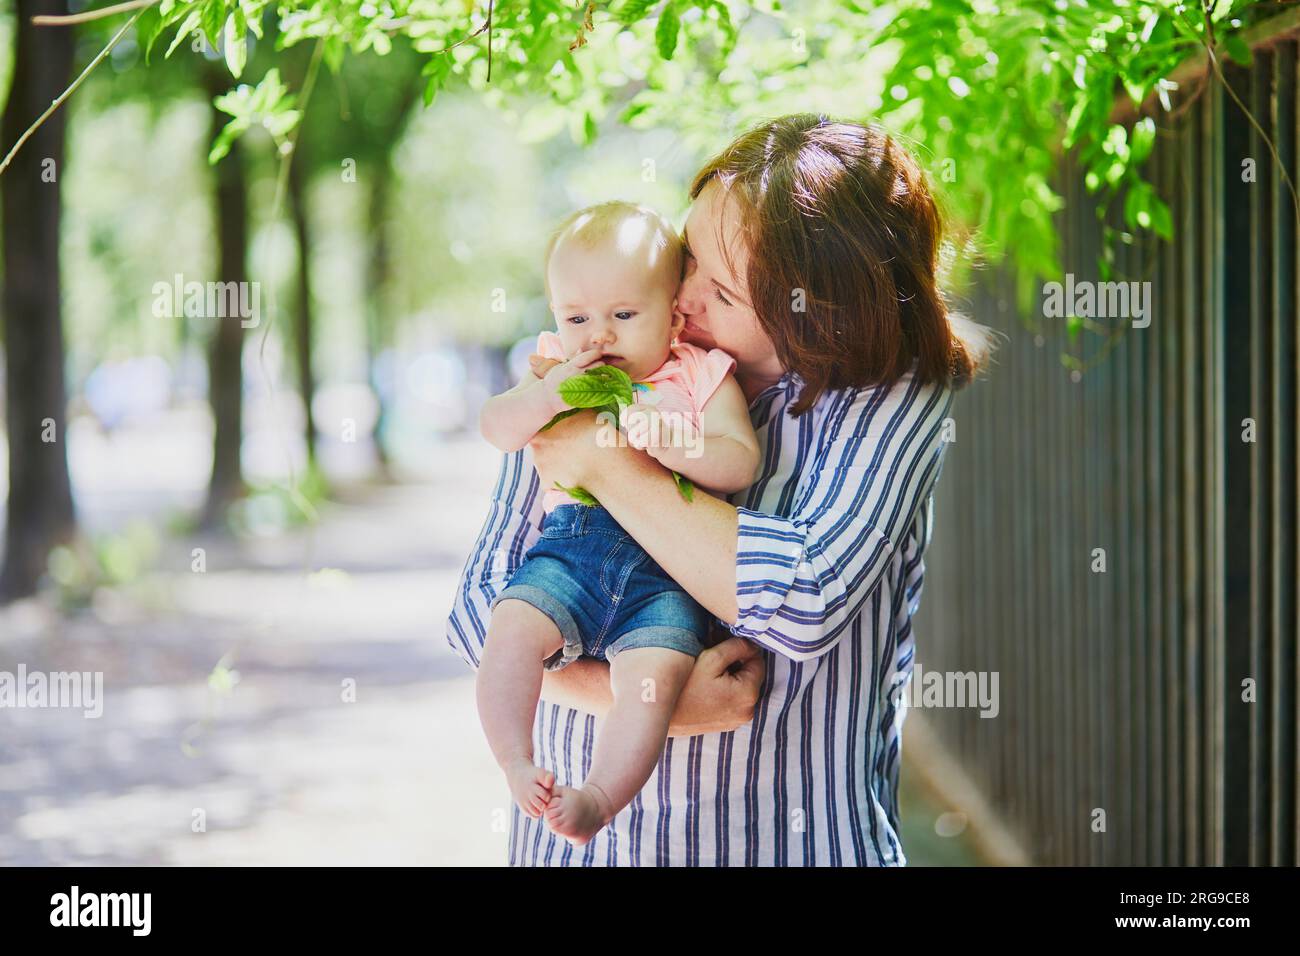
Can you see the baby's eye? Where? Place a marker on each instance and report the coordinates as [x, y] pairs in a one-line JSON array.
[[576, 319], [625, 314]]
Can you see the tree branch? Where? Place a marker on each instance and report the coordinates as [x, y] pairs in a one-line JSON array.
[[99, 58], [68, 19]]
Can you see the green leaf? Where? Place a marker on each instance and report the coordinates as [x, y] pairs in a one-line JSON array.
[[214, 15], [597, 386], [186, 28], [147, 29], [1134, 203], [634, 10], [1135, 90], [684, 486], [252, 13], [1162, 221], [724, 21], [226, 138], [581, 494], [437, 70], [1143, 139], [559, 418], [236, 45], [332, 53], [1238, 49], [667, 29], [634, 109]]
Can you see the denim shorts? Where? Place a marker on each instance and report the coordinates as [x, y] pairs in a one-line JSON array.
[[602, 590]]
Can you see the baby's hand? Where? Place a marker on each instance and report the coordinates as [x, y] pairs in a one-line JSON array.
[[540, 365], [562, 371], [646, 429]]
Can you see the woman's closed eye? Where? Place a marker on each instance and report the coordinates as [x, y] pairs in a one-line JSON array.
[[688, 258]]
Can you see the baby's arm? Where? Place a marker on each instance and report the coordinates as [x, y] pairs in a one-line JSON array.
[[724, 457], [511, 419]]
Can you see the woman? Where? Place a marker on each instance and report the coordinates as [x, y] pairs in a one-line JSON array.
[[812, 254]]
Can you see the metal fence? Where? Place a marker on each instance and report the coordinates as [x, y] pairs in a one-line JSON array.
[[1121, 691]]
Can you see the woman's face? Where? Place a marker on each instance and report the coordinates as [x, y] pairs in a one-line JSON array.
[[712, 298]]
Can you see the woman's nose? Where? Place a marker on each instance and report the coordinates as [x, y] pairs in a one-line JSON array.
[[689, 293]]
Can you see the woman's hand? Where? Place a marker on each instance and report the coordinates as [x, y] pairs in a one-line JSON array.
[[720, 694], [722, 691], [571, 449]]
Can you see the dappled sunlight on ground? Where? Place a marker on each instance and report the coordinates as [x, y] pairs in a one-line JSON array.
[[293, 703]]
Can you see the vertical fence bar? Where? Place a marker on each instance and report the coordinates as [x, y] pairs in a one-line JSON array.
[[1234, 328], [1260, 456], [1161, 509], [1284, 711], [1174, 319], [1192, 472]]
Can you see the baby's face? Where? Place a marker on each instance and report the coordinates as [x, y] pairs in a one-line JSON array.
[[609, 298]]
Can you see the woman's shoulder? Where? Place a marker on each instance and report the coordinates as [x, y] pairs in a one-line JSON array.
[[876, 406]]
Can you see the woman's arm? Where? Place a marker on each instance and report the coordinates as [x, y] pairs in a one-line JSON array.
[[719, 695], [791, 583], [641, 496], [512, 527]]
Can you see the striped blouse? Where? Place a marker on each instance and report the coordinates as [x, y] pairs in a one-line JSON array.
[[828, 576]]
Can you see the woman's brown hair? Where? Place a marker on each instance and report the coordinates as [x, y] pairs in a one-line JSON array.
[[843, 238]]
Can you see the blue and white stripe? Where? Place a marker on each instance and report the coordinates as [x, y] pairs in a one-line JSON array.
[[828, 575]]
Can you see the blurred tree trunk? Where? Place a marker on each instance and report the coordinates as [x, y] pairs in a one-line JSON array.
[[303, 316], [378, 321], [225, 370], [40, 512], [377, 269]]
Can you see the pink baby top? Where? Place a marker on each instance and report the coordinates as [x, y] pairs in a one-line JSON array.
[[683, 384]]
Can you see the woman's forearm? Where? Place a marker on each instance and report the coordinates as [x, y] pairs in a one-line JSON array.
[[582, 685], [719, 696], [726, 464], [693, 541]]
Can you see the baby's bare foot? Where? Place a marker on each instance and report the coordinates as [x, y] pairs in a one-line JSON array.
[[577, 815], [530, 785]]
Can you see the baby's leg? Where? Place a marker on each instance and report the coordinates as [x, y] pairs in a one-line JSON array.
[[519, 639], [630, 741]]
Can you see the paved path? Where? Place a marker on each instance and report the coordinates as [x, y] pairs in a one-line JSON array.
[[281, 769]]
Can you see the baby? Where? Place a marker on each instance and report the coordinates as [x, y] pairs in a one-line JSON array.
[[586, 586]]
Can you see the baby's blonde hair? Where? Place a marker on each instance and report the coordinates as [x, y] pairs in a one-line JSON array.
[[594, 225]]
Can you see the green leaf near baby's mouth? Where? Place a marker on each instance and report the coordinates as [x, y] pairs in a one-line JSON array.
[[608, 389]]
